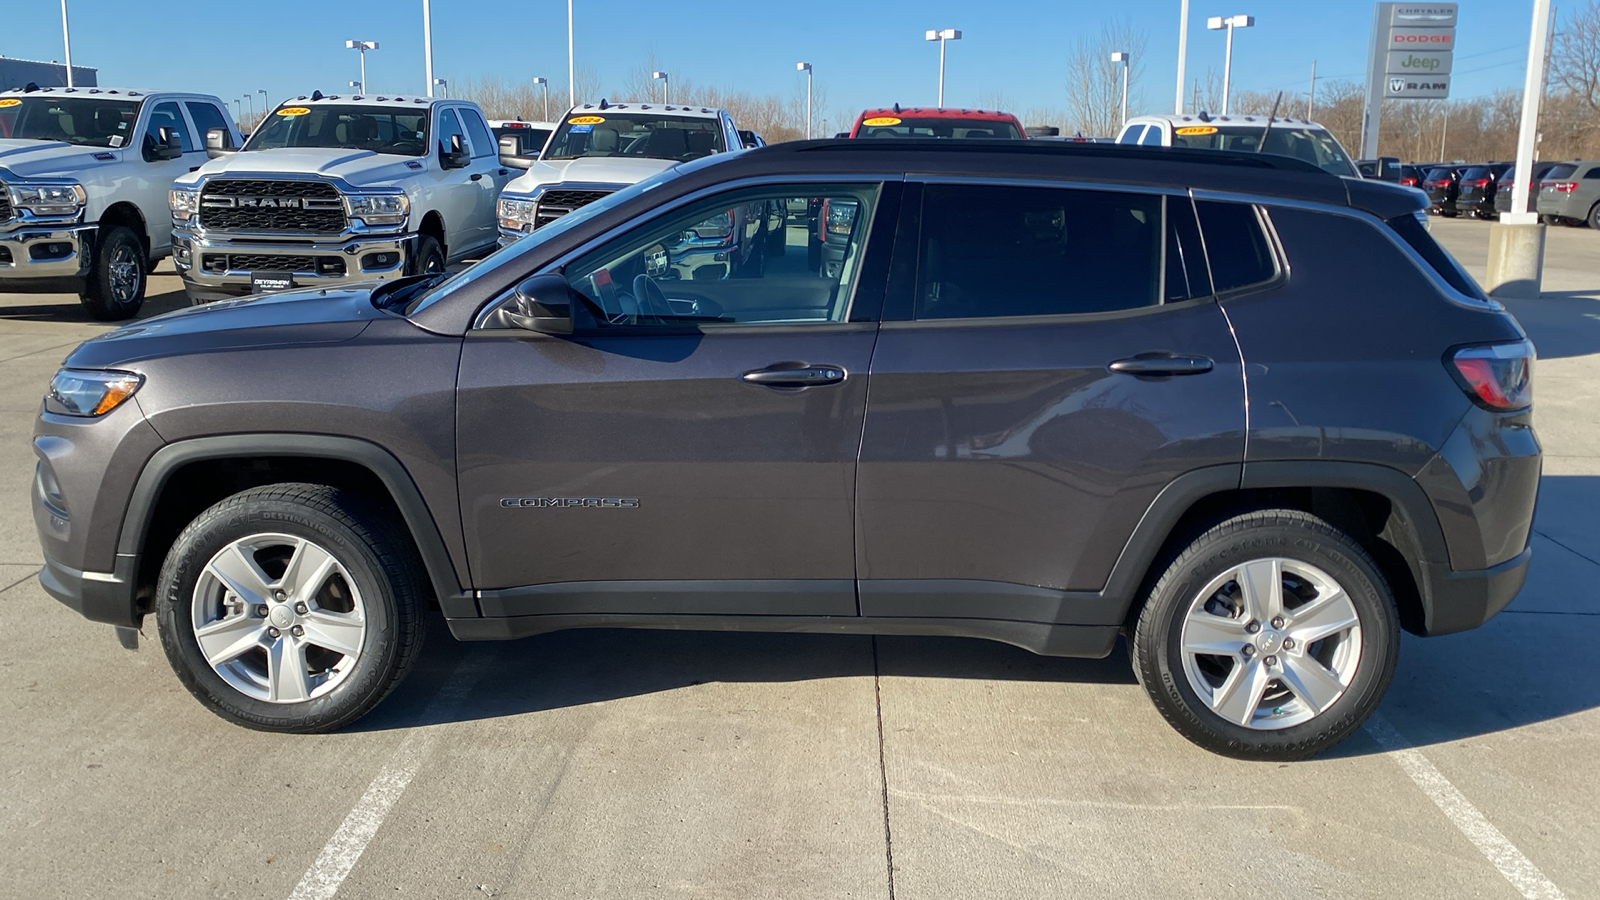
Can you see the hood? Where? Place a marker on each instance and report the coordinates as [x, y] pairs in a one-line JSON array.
[[361, 168], [590, 170], [292, 318], [49, 159]]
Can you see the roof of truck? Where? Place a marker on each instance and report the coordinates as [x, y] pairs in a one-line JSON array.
[[318, 97], [698, 112], [98, 93]]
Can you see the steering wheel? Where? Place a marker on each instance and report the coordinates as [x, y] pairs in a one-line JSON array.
[[652, 302]]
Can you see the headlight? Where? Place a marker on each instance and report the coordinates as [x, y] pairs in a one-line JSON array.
[[184, 204], [378, 209], [79, 393], [516, 215], [48, 199]]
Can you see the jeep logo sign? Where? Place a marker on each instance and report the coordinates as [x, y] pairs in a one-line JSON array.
[[1418, 62]]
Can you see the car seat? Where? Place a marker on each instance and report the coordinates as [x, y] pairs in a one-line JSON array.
[[701, 143], [667, 143], [604, 140], [363, 130]]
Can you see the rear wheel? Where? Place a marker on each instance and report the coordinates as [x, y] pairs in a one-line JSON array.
[[117, 272], [1272, 637], [291, 607], [1594, 217]]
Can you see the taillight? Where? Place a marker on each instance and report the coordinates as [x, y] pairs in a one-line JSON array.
[[1565, 187], [1481, 182], [1499, 377], [1408, 182]]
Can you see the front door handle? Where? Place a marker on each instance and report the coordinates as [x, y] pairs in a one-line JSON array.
[[1162, 364], [477, 176], [790, 375]]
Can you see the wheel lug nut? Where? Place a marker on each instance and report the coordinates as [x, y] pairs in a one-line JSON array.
[[1248, 651], [279, 596], [272, 632], [1288, 643], [1277, 621], [297, 631], [301, 608], [261, 611], [1253, 627], [1271, 661]]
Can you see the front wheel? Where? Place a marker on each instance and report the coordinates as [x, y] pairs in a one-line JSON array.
[[117, 273], [291, 607], [429, 259], [1273, 636]]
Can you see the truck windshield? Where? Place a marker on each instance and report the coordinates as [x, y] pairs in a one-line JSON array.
[[85, 121], [401, 130], [1313, 145], [897, 127], [637, 135]]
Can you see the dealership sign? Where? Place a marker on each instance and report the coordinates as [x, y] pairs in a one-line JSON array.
[[1410, 57]]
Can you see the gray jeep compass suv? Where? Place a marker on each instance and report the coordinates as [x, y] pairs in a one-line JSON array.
[[1243, 413]]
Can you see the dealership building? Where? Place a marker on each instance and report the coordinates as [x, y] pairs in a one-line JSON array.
[[15, 73]]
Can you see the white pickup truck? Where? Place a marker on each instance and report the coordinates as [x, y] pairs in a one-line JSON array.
[[599, 149], [84, 175], [333, 190]]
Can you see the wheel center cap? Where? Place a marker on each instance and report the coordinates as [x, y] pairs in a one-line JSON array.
[[1270, 641], [281, 616]]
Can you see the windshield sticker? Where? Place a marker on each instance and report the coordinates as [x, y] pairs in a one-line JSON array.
[[9, 101], [294, 111], [586, 120], [881, 120], [116, 141], [1197, 129], [582, 129]]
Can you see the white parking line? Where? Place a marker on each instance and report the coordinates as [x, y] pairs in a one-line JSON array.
[[1517, 868], [344, 849]]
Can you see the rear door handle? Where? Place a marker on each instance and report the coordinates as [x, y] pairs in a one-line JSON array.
[[1162, 364], [792, 376]]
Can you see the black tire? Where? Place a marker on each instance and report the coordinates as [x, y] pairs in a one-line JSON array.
[[1297, 537], [429, 258], [117, 276], [1594, 217], [383, 571]]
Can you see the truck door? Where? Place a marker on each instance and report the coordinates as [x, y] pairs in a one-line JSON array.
[[155, 176]]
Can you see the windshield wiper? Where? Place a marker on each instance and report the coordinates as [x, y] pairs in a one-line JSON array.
[[392, 294]]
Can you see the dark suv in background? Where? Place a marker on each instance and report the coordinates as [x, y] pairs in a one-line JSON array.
[[1016, 409], [1443, 186], [1479, 187]]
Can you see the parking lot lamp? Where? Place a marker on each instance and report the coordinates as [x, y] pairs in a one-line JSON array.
[[427, 48], [942, 36], [362, 46], [1228, 23], [250, 100], [806, 68], [545, 83], [1121, 57], [1183, 52], [572, 71], [666, 88], [264, 103], [444, 86]]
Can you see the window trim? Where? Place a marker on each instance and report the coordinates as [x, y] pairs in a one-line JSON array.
[[556, 266]]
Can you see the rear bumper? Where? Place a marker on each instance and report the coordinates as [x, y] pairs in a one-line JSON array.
[[46, 257], [211, 268], [1464, 600]]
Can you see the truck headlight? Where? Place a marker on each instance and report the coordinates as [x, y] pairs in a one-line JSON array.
[[378, 209], [515, 214], [183, 203], [48, 199], [76, 392]]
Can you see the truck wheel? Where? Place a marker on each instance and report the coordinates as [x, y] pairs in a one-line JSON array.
[[430, 256], [1271, 637], [115, 289], [290, 607]]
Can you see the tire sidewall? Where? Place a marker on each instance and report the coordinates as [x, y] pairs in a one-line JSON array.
[[428, 248], [1368, 591], [229, 522], [98, 294]]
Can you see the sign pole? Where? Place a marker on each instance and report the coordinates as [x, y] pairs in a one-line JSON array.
[[1516, 242]]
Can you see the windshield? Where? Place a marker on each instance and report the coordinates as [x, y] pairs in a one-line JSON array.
[[401, 130], [83, 121], [512, 251], [942, 127], [638, 135], [1313, 145]]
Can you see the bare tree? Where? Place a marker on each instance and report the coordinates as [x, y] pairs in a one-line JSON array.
[[1094, 89]]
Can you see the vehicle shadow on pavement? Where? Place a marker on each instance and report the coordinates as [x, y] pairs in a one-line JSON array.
[[1560, 323], [68, 310], [575, 668]]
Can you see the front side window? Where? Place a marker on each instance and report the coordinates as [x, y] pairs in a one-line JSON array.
[[610, 133], [207, 117], [1132, 135], [449, 128], [167, 115], [75, 120], [1236, 245], [1025, 251], [482, 143], [400, 130], [772, 255]]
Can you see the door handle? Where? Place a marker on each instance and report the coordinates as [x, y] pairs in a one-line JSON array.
[[1162, 364], [477, 176], [792, 376], [505, 171]]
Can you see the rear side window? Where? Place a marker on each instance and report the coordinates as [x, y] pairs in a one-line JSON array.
[[1152, 137], [1592, 173], [1236, 245], [206, 117], [1023, 251], [1557, 173], [1412, 232], [1132, 135]]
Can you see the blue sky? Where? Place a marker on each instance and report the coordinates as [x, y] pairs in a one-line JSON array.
[[866, 52]]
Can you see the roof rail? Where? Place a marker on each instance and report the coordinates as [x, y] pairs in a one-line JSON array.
[[1057, 148]]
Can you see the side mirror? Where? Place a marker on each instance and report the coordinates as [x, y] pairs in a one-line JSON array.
[[218, 143], [511, 154], [456, 157], [165, 146], [545, 304]]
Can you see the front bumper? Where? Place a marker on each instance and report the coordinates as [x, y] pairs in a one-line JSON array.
[[46, 257], [215, 268]]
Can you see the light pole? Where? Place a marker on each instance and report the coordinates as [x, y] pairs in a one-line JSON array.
[[948, 34], [1228, 23], [572, 76], [250, 99], [1121, 57], [427, 48], [237, 112], [1183, 52], [443, 85], [666, 89], [362, 46], [265, 105], [545, 83], [806, 68], [66, 38]]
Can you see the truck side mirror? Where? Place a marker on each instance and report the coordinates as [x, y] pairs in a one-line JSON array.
[[219, 143], [546, 304], [511, 154], [456, 157], [165, 146]]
